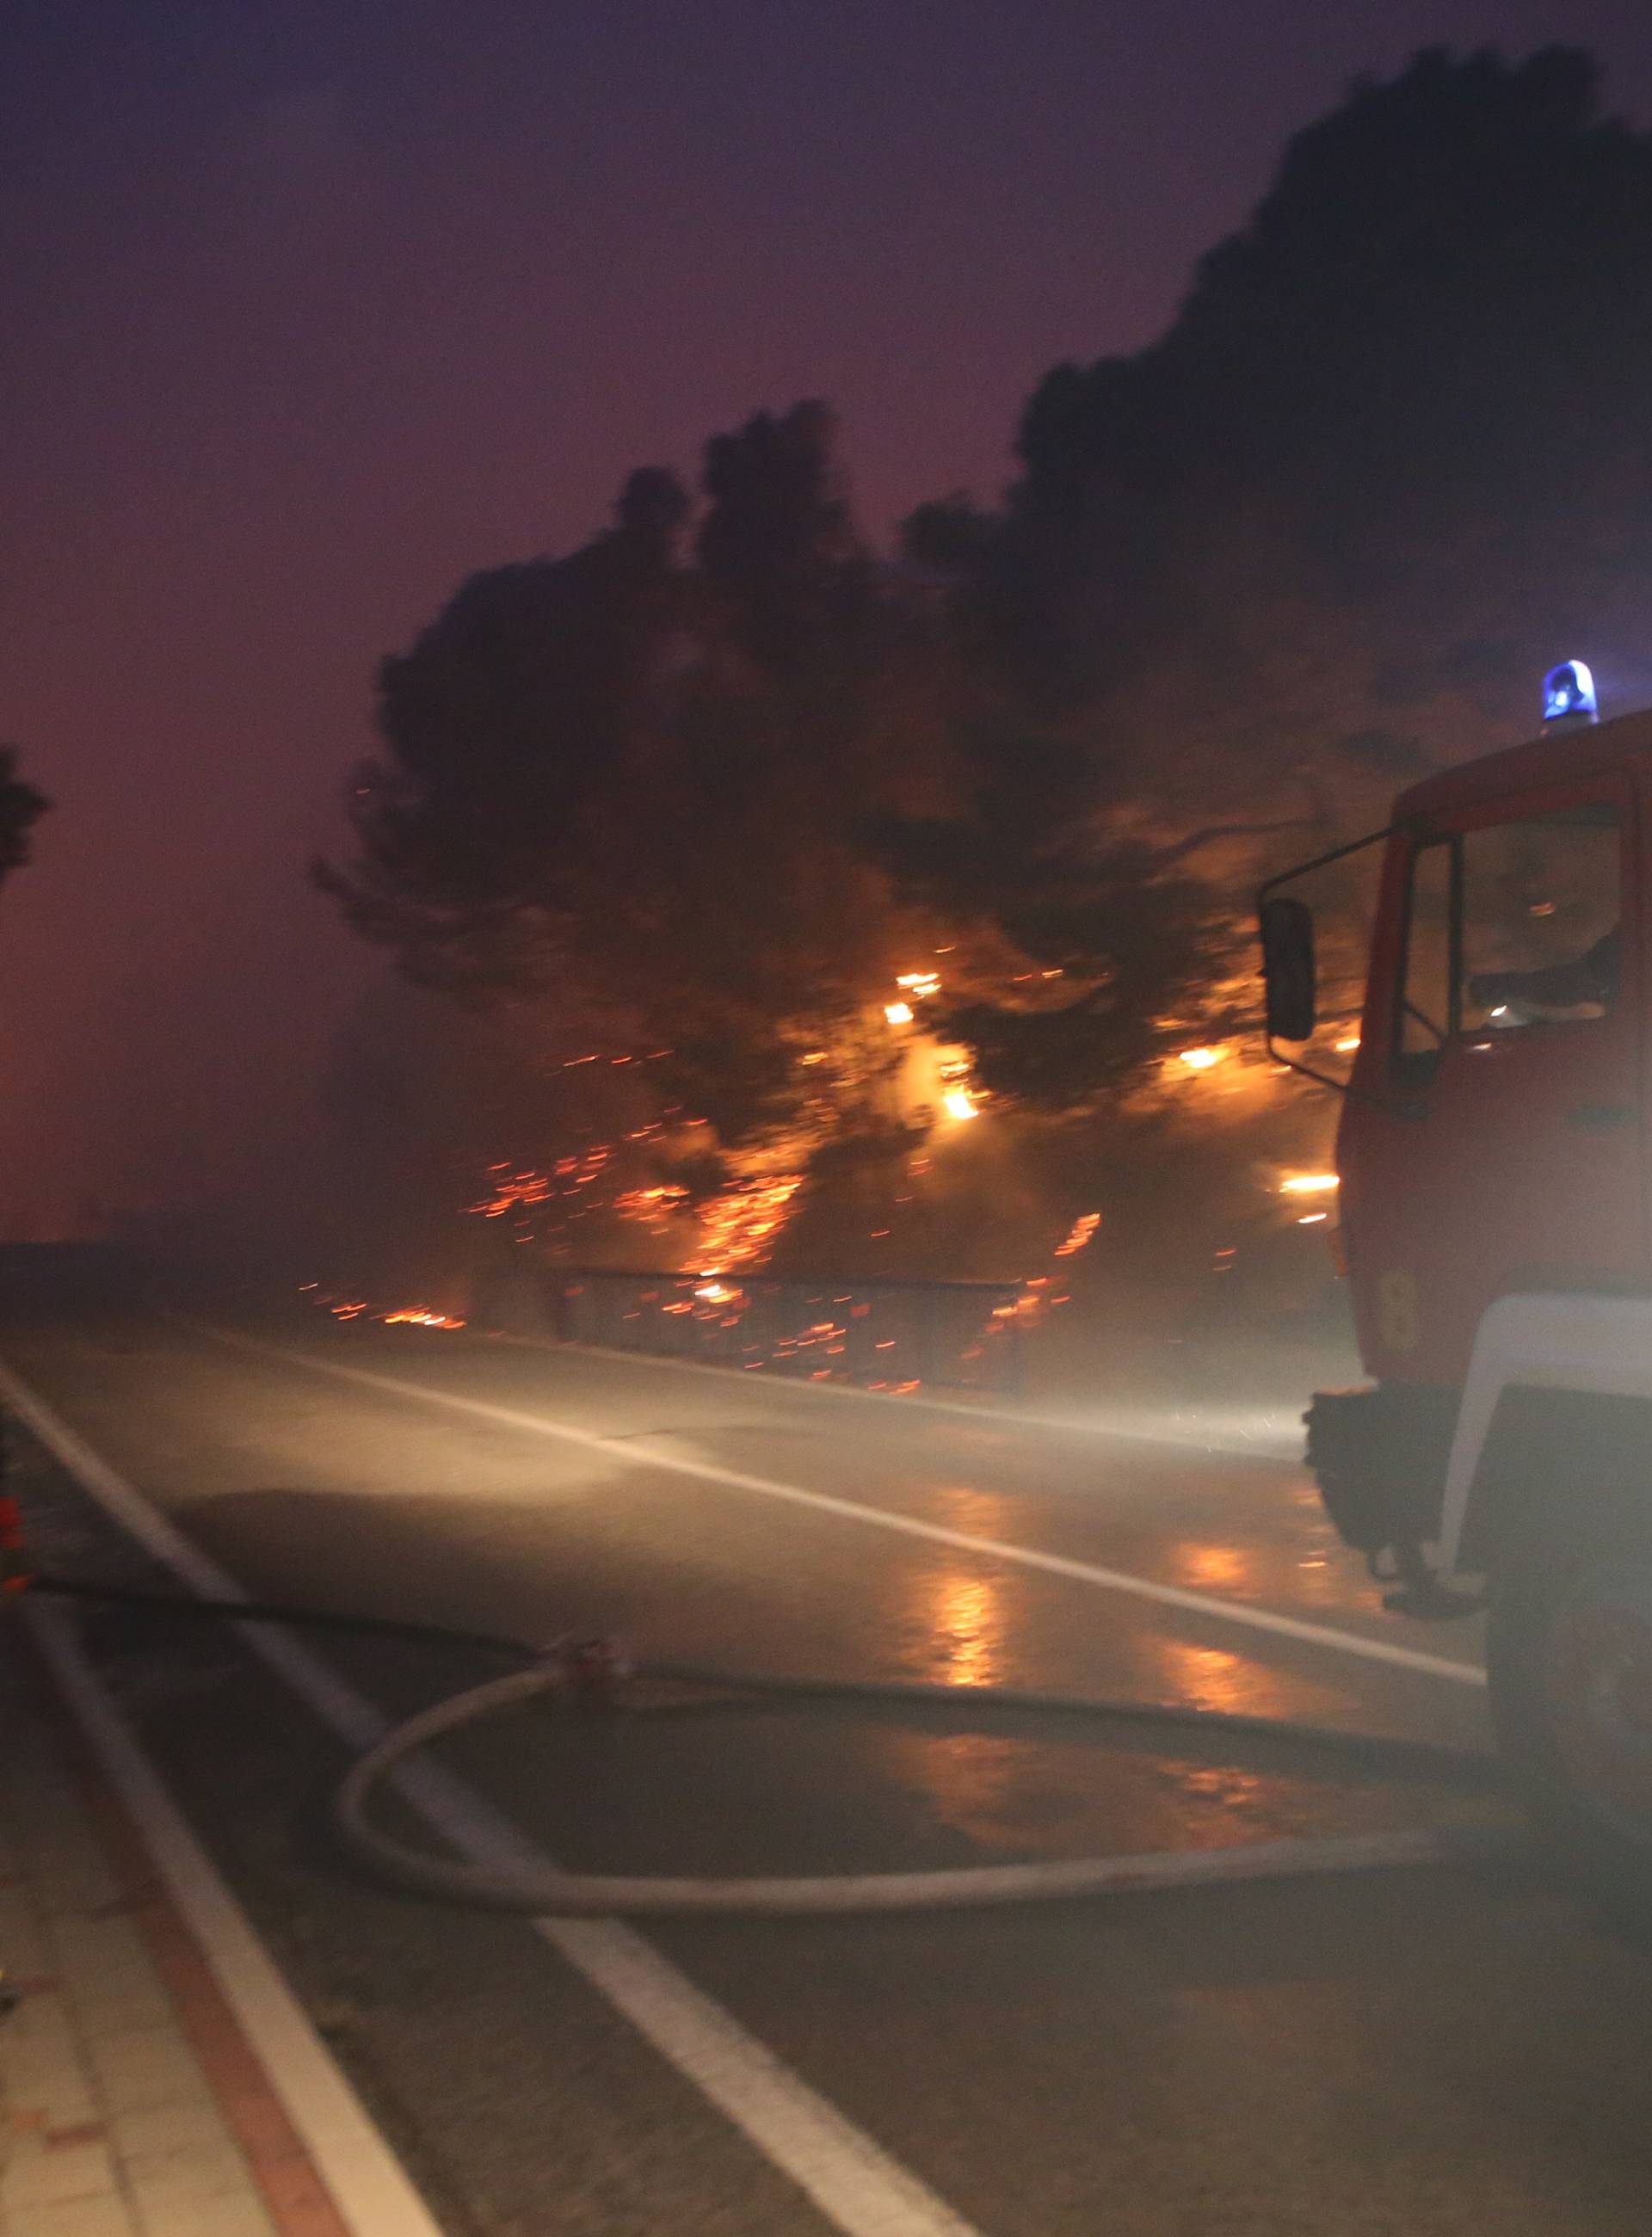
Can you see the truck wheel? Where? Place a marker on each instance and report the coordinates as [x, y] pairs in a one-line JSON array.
[[1569, 1654]]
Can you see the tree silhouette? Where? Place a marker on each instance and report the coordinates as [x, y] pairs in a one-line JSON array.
[[702, 779], [1387, 464], [21, 809], [625, 785], [1396, 433]]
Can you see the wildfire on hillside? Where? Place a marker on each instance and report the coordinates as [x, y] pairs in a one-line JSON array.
[[349, 1307]]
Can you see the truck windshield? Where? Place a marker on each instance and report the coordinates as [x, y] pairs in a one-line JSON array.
[[1541, 902], [1510, 925]]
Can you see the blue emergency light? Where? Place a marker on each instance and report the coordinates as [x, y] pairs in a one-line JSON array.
[[1568, 694]]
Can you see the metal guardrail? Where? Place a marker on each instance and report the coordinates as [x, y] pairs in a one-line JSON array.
[[879, 1332]]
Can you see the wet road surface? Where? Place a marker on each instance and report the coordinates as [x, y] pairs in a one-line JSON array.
[[1424, 2052]]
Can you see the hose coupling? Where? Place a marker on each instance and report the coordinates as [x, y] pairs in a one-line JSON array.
[[595, 1672]]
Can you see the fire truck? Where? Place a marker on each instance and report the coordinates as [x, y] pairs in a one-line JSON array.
[[1493, 1156]]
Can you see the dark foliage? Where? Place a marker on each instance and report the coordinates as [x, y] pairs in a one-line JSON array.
[[1389, 461], [624, 785], [21, 809]]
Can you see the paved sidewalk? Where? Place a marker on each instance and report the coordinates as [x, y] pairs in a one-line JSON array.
[[130, 2105]]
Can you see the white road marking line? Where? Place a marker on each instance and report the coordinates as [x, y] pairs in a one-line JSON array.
[[856, 2186], [1029, 1557], [1282, 1455], [366, 2182]]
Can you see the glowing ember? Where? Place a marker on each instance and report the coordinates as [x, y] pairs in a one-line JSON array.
[[422, 1316], [651, 1207], [1083, 1229], [958, 1103], [1347, 1048], [513, 1191], [920, 984], [1308, 1183], [898, 1014], [1202, 1060], [738, 1227]]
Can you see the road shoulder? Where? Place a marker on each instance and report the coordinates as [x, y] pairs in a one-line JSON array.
[[156, 2072]]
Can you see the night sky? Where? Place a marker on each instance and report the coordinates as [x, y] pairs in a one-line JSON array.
[[310, 310]]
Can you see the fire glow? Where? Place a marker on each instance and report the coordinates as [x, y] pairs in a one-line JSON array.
[[349, 1308], [1082, 1231], [737, 1229]]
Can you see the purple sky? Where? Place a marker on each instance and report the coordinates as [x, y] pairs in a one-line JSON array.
[[311, 309]]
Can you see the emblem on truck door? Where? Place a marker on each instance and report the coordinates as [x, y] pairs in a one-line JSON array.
[[1399, 1311]]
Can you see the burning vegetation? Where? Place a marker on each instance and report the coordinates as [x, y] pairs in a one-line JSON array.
[[785, 864], [896, 1166]]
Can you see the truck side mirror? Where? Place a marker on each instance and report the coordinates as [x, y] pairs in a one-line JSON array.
[[1288, 969]]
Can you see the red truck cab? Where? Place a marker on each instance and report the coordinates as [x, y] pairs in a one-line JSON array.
[[1493, 1158], [1496, 1144]]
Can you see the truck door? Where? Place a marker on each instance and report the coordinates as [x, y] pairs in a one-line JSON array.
[[1507, 1151]]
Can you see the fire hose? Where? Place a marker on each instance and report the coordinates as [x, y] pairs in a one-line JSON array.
[[594, 1675]]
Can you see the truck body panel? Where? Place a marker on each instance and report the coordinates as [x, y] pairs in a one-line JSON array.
[[1595, 1346]]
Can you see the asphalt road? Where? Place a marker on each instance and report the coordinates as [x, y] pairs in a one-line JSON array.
[[1426, 2051]]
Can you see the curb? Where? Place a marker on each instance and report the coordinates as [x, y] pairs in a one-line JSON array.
[[322, 2166]]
